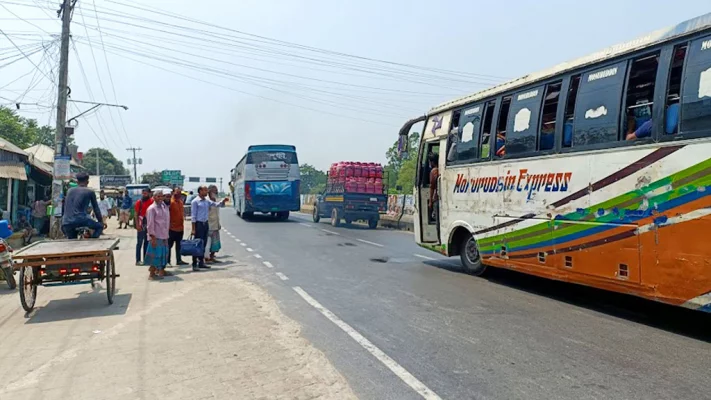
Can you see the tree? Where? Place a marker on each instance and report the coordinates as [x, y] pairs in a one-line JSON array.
[[108, 164], [25, 132], [406, 176], [312, 180], [396, 163], [154, 178]]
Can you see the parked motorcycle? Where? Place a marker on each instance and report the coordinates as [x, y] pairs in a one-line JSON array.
[[6, 264]]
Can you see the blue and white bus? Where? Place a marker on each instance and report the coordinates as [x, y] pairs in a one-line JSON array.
[[267, 180]]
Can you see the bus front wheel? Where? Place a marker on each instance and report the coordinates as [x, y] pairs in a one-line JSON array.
[[471, 258]]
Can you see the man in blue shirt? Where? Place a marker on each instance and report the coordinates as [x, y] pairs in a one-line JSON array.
[[125, 212], [199, 211], [75, 209]]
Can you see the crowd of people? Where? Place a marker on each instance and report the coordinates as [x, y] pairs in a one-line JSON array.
[[160, 228], [159, 220]]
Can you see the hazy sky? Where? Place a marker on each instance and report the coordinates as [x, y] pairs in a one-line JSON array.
[[332, 108]]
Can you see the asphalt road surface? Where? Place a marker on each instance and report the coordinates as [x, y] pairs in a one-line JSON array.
[[400, 322]]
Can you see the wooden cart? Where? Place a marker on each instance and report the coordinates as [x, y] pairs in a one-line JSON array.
[[65, 262]]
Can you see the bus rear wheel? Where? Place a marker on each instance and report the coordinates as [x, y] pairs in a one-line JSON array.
[[470, 256]]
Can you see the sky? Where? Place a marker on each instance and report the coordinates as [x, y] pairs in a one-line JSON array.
[[198, 95]]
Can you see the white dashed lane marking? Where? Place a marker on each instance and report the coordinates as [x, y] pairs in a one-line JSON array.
[[282, 276], [331, 232], [243, 244], [306, 225], [421, 256], [268, 264], [249, 249], [391, 364], [257, 256], [371, 243]]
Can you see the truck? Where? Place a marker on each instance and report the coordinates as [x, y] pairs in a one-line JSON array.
[[354, 192]]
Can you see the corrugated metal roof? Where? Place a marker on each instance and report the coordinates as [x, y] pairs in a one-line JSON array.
[[687, 27], [45, 154], [13, 171], [7, 146]]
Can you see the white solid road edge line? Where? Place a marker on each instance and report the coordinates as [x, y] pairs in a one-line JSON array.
[[282, 276], [268, 264], [372, 243], [421, 256], [332, 232], [392, 365]]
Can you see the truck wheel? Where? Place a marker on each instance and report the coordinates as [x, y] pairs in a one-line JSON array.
[[372, 223], [316, 215], [283, 216], [335, 218], [471, 259]]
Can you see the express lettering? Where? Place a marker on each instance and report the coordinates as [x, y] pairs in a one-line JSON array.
[[523, 181]]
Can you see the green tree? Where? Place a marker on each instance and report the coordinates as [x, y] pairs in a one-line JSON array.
[[154, 178], [396, 163], [406, 176], [25, 132], [312, 180], [108, 164]]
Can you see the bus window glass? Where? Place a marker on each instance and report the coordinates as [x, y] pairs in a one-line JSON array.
[[522, 122], [598, 105], [570, 110], [640, 97], [671, 113], [550, 108], [500, 143], [467, 138], [486, 130], [452, 138], [696, 89]]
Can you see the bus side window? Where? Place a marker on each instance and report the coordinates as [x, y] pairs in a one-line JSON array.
[[500, 143], [452, 138], [671, 113], [486, 130], [696, 88], [637, 120], [522, 124], [570, 111], [597, 107], [548, 112], [468, 135]]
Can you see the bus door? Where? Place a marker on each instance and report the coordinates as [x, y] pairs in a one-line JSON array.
[[428, 214]]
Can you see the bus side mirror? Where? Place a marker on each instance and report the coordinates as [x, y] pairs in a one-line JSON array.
[[403, 146]]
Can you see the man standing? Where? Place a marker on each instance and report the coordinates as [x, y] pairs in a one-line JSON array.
[[157, 224], [177, 220], [39, 214], [434, 190], [75, 209], [140, 223], [213, 226], [104, 206], [199, 213], [125, 212]]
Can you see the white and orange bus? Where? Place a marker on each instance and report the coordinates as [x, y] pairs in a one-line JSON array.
[[596, 171]]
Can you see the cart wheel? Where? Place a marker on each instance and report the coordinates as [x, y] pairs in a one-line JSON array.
[[28, 291], [110, 275], [316, 215]]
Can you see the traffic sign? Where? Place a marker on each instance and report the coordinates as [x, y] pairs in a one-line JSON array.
[[211, 180], [194, 179], [173, 177]]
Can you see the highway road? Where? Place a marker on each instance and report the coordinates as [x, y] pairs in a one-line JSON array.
[[400, 322]]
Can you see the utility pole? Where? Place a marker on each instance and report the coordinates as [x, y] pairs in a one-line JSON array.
[[135, 161], [62, 94], [221, 186], [97, 162]]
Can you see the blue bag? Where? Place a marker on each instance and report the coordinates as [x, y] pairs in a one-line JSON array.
[[192, 247]]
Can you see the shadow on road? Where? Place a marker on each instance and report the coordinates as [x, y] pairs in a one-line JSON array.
[[264, 218], [693, 324], [86, 305]]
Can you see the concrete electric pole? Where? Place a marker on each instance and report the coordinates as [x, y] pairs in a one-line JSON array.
[[135, 162], [60, 138]]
